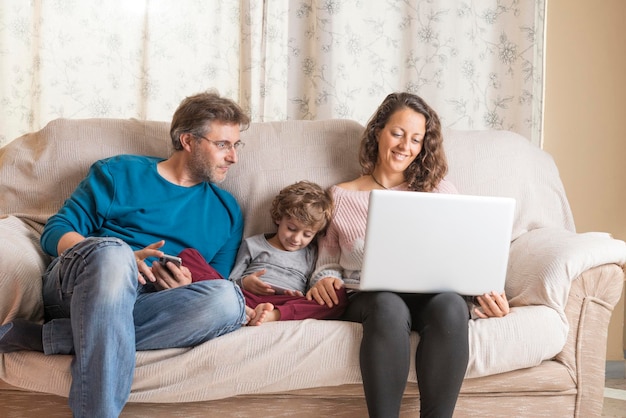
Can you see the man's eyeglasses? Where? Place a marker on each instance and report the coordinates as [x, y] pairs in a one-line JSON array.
[[225, 146]]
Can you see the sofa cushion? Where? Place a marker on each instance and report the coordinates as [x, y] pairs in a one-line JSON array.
[[503, 163], [280, 153], [41, 169], [22, 263], [291, 355]]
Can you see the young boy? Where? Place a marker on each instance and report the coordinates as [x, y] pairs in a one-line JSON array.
[[273, 270]]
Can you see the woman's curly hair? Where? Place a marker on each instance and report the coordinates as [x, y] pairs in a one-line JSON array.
[[430, 166]]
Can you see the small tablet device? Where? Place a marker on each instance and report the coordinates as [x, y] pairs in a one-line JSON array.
[[280, 290]]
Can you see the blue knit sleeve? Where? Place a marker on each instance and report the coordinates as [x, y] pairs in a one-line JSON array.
[[85, 209]]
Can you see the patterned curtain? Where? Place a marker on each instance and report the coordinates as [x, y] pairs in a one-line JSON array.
[[478, 63]]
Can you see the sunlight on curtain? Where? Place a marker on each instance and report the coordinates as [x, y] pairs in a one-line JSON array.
[[479, 63]]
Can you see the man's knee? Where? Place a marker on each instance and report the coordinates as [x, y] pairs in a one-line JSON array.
[[109, 265], [219, 298]]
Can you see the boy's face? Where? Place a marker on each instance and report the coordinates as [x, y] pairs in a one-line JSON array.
[[293, 235]]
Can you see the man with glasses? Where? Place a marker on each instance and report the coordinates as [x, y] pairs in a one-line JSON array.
[[105, 295]]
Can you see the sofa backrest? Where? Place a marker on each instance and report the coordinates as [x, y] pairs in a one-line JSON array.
[[280, 153], [503, 163], [38, 171]]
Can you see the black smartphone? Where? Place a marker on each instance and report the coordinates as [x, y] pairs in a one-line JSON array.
[[165, 258], [280, 290]]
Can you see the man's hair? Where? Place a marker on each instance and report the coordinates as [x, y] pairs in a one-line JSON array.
[[195, 114], [430, 166], [306, 202]]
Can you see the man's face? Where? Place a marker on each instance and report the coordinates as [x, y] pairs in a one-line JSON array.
[[215, 153]]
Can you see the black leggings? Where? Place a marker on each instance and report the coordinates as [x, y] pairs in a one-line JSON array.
[[442, 353]]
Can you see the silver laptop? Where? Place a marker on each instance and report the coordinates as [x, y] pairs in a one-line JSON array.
[[433, 242]]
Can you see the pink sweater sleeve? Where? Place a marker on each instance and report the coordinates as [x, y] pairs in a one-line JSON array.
[[446, 187], [340, 251]]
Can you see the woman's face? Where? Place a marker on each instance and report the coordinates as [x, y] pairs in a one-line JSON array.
[[401, 139]]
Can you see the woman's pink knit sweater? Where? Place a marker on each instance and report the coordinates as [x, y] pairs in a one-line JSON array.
[[341, 249]]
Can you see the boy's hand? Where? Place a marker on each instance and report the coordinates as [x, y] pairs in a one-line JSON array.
[[253, 283], [325, 291]]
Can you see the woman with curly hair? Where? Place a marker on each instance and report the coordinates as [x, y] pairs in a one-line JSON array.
[[401, 149]]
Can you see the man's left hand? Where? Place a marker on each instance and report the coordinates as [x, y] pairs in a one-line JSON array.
[[170, 276]]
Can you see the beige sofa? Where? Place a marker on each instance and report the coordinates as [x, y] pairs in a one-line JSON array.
[[545, 359]]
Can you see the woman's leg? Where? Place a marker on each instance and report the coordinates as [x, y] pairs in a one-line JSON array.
[[385, 348], [443, 351]]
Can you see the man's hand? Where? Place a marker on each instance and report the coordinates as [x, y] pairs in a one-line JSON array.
[[325, 291], [68, 240], [145, 272], [170, 276]]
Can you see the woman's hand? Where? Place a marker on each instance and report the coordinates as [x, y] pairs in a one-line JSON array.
[[325, 291], [492, 304], [145, 272]]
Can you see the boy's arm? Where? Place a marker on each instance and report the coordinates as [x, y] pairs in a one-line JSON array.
[[253, 282], [244, 257]]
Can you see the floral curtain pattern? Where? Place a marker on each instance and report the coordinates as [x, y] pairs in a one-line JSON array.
[[479, 63]]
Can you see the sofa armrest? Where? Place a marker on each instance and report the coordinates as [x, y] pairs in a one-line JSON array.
[[544, 263], [580, 276], [591, 300], [22, 263]]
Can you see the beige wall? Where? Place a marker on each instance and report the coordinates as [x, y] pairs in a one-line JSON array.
[[585, 118]]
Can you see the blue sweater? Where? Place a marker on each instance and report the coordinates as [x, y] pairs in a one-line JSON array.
[[125, 197]]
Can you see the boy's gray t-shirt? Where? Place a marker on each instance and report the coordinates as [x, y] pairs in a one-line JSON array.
[[286, 269]]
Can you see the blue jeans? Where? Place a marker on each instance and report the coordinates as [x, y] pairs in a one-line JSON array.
[[96, 310]]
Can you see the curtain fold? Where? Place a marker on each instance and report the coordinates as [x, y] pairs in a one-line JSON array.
[[480, 64]]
